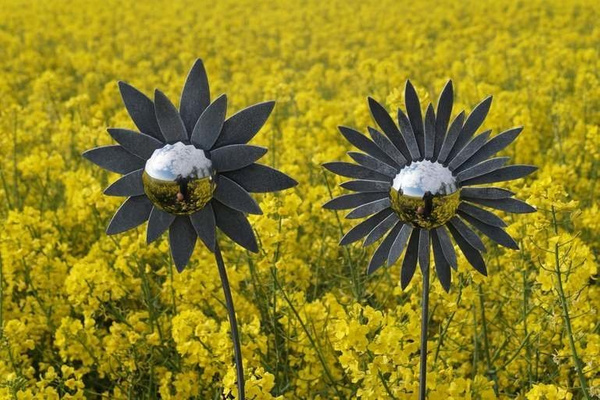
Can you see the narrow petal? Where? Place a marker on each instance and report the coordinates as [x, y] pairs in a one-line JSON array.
[[481, 168], [493, 146], [473, 122], [235, 156], [442, 267], [424, 246], [470, 149], [488, 193], [355, 171], [373, 164], [444, 110], [472, 255], [481, 214], [429, 132], [205, 226], [114, 158], [399, 243], [158, 223], [141, 110], [208, 126], [365, 144], [384, 143], [381, 253], [235, 225], [447, 246], [138, 144], [369, 209], [450, 139], [182, 239], [127, 185], [502, 174], [234, 196], [361, 230], [133, 212], [409, 136], [353, 200], [495, 233], [169, 119], [507, 204], [258, 178], [381, 229], [409, 264], [241, 127], [366, 186], [195, 96], [413, 109], [467, 233], [386, 123]]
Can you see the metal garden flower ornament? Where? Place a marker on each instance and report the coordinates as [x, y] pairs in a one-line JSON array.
[[422, 178], [190, 171]]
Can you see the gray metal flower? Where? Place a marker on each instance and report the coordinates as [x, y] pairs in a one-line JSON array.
[[190, 170], [420, 179]]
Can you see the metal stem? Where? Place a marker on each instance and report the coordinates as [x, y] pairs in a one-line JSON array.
[[237, 349], [424, 325]]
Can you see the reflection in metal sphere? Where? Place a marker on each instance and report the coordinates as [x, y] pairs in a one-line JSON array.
[[425, 194], [179, 179]]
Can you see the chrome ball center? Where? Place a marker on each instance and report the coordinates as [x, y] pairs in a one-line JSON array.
[[179, 178], [425, 194]]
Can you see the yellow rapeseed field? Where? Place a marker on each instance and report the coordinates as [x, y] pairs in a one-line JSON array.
[[86, 315]]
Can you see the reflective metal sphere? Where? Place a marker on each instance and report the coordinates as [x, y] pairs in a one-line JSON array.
[[179, 179], [425, 194]]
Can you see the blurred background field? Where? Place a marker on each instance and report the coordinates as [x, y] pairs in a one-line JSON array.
[[83, 315]]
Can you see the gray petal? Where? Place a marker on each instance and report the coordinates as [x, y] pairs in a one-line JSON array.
[[424, 246], [127, 185], [195, 96], [169, 119], [509, 205], [481, 168], [365, 144], [235, 156], [409, 264], [399, 243], [133, 212], [182, 239], [444, 110], [355, 171], [369, 208], [473, 256], [409, 136], [485, 193], [114, 158], [234, 196], [498, 235], [381, 229], [447, 247], [442, 266], [493, 146], [242, 126], [136, 143], [258, 178], [413, 109], [158, 223], [467, 233], [381, 253], [502, 174], [208, 126], [353, 200], [388, 147], [141, 110], [386, 123], [205, 226], [373, 164], [235, 225], [470, 149], [429, 132], [473, 122], [450, 139], [481, 214], [366, 186], [361, 230]]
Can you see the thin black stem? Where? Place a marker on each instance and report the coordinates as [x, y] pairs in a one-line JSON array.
[[424, 326], [237, 349]]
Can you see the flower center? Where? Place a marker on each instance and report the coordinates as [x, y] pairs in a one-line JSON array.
[[179, 179], [425, 194]]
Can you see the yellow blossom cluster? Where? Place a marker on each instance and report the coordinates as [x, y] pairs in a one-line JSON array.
[[84, 315]]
